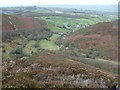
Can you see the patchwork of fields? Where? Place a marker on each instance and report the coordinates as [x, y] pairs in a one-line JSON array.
[[58, 24]]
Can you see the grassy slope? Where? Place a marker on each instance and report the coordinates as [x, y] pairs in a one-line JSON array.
[[54, 28], [29, 48], [50, 44], [54, 37]]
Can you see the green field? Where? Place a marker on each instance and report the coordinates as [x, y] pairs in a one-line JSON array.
[[91, 19], [45, 44], [50, 44], [54, 28], [55, 22], [54, 37], [59, 21]]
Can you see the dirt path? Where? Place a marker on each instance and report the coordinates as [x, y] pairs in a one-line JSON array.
[[72, 61]]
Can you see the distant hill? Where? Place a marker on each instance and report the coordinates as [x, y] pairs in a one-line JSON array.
[[107, 9]]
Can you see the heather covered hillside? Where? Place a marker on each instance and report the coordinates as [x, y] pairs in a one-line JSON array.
[[96, 41], [11, 22], [50, 70], [59, 47]]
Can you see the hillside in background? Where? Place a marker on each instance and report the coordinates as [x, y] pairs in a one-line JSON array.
[[100, 39]]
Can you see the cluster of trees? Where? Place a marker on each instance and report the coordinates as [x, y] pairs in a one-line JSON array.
[[91, 53], [75, 49], [8, 36], [29, 34], [25, 36]]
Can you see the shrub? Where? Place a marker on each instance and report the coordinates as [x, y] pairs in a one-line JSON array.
[[19, 51], [4, 51], [91, 53]]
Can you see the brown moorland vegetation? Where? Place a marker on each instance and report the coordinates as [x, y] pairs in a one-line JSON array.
[[101, 36], [50, 70], [21, 22]]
